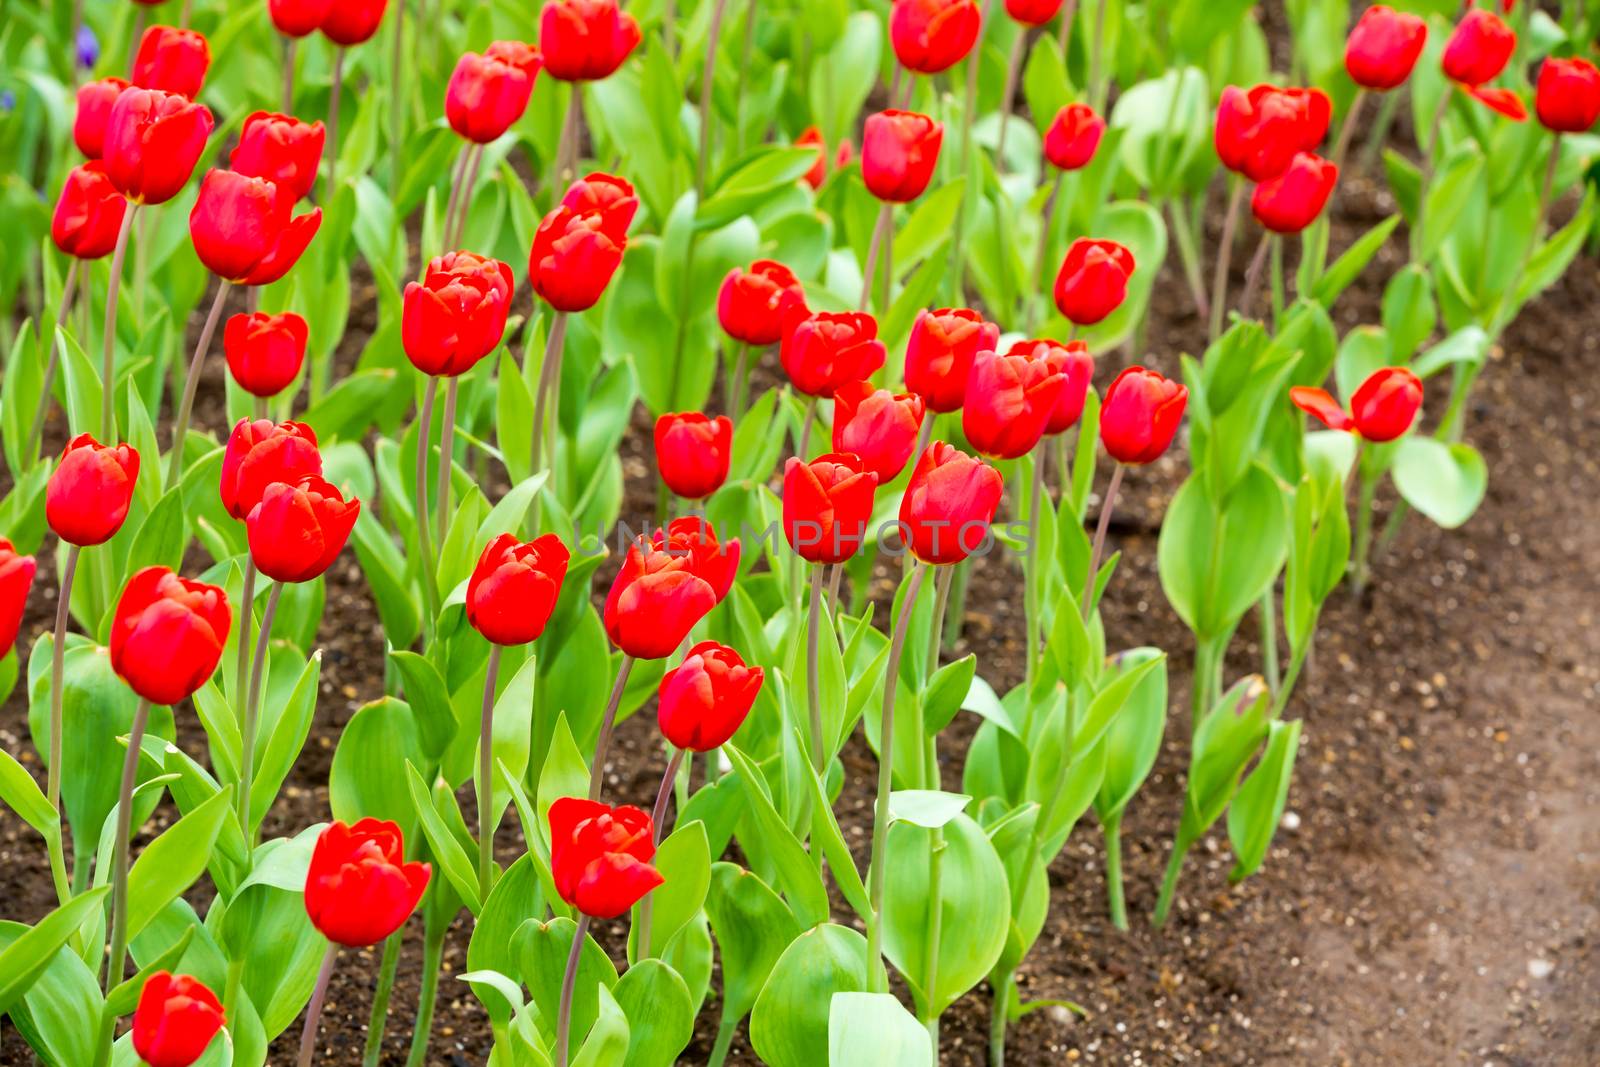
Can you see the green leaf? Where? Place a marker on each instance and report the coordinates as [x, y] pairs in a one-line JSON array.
[[928, 808], [1468, 345], [25, 959], [368, 776], [171, 863], [542, 949], [284, 743], [660, 1014], [1216, 560], [23, 796], [875, 1030], [429, 703], [516, 895], [684, 860], [609, 1039], [125, 997], [162, 536], [789, 1026], [1445, 482], [1344, 270], [748, 187], [753, 927], [1257, 807], [798, 876], [1133, 740], [841, 80], [1448, 195], [448, 854]]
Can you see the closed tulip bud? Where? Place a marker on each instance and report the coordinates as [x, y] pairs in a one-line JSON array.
[[175, 1021], [1384, 47], [930, 36], [600, 856], [940, 352], [457, 314], [827, 504], [489, 92], [94, 111], [298, 530], [16, 578], [1010, 398], [705, 699], [1076, 365], [1093, 281], [1033, 12], [350, 22], [819, 170], [826, 349], [667, 584], [359, 887], [243, 229], [1140, 415], [899, 150], [514, 588], [1383, 408], [265, 351], [260, 453], [172, 60], [608, 195], [752, 304], [585, 40], [167, 634], [1293, 200], [298, 18], [1259, 132], [947, 508], [693, 452], [1568, 96], [86, 500], [88, 214], [878, 426], [573, 259], [281, 149], [152, 142], [1479, 49], [1073, 137]]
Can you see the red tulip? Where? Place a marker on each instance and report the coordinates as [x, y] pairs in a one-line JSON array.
[[489, 92], [1140, 415], [827, 504], [172, 60], [1383, 48], [1479, 49], [826, 349], [1259, 132], [94, 111], [1073, 361], [1505, 101], [457, 314], [878, 426], [16, 578], [611, 197], [947, 508], [176, 1019], [705, 699], [281, 149], [1093, 281], [600, 856], [514, 588], [1293, 200], [899, 150], [167, 634], [350, 22], [263, 452], [819, 170], [1010, 398], [297, 18], [693, 452], [1073, 137], [933, 35], [359, 887], [1033, 12], [1568, 97], [243, 230], [152, 142], [265, 351], [299, 529], [940, 352], [751, 305], [585, 40], [1383, 408], [573, 259], [666, 585], [86, 500], [89, 214]]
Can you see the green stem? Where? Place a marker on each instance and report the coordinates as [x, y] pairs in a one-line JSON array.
[[378, 1020], [447, 442], [1100, 530], [246, 621], [487, 819], [597, 772], [430, 583], [736, 391], [1219, 281], [1115, 900], [1284, 691], [706, 79], [252, 714], [48, 343], [1359, 567], [58, 652], [1189, 258], [434, 930], [958, 264], [1037, 295], [999, 1007], [935, 930], [658, 817], [882, 234], [1278, 291], [120, 845], [1205, 669], [1030, 575], [819, 748], [725, 1031], [1169, 883], [191, 383]]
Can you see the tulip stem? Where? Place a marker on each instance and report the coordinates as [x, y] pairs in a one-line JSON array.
[[57, 674], [191, 383], [1189, 256], [378, 1021], [877, 974], [108, 426], [447, 447], [547, 394], [568, 981], [425, 564], [1169, 883], [1013, 66], [958, 263], [319, 995], [1279, 292], [819, 753], [1097, 86], [1359, 567], [120, 845], [1115, 899], [1046, 219], [1348, 128], [397, 107], [803, 445], [486, 824], [1252, 274], [68, 288], [998, 1009], [289, 48], [1087, 603], [736, 388], [567, 148], [456, 231], [1219, 281], [252, 710], [835, 574], [597, 772], [333, 120], [434, 928], [1269, 639], [658, 816], [1030, 573], [882, 231], [713, 34]]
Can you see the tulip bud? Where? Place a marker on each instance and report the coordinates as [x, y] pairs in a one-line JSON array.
[[573, 259], [693, 452], [826, 349], [930, 36], [88, 214], [167, 634], [1259, 132], [1479, 49], [152, 142], [175, 1021], [1140, 415], [263, 452], [585, 40], [1383, 408], [878, 426], [899, 150], [359, 887], [1073, 361], [298, 18], [489, 92], [94, 111], [265, 351], [1010, 398], [351, 22], [751, 305], [16, 578], [940, 352], [172, 60], [457, 314], [1293, 200], [1093, 281], [667, 584], [609, 196], [299, 529], [949, 504], [86, 500], [1033, 12], [242, 228], [819, 170], [1071, 140], [1384, 47], [281, 149], [600, 856], [514, 588], [1568, 96], [827, 504], [703, 701]]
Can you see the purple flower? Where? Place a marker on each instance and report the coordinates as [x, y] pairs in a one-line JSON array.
[[88, 46], [8, 102]]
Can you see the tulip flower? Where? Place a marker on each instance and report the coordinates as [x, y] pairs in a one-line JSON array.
[[666, 585], [352, 22], [827, 504], [1567, 99], [1010, 399], [88, 214], [1033, 12], [1479, 49], [94, 111], [167, 634], [585, 40], [1071, 140], [825, 349], [1259, 132], [265, 352], [878, 426], [87, 497], [514, 588], [175, 1021], [457, 313], [705, 699], [172, 60], [574, 256], [1384, 47], [930, 36], [1093, 280], [243, 231], [489, 92], [693, 452], [600, 856], [359, 887], [1383, 408], [299, 18], [281, 149], [260, 453], [947, 508], [153, 140], [1140, 415], [752, 304], [608, 195], [16, 578], [899, 151], [814, 177], [940, 352], [299, 529], [1073, 361], [1293, 200]]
